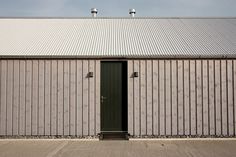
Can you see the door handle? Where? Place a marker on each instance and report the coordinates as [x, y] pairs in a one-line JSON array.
[[103, 98]]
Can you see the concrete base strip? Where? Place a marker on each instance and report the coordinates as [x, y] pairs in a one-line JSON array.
[[49, 140], [182, 139], [54, 152]]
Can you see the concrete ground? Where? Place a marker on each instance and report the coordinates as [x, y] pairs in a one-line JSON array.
[[132, 148]]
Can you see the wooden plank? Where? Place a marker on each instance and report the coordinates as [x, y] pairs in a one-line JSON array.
[[91, 99], [155, 98], [9, 102], [54, 101], [199, 96], [97, 107], [28, 104], [66, 95], [35, 98], [230, 97], [85, 98], [211, 97], [186, 98], [16, 97], [224, 103], [193, 97], [1, 132], [41, 97], [60, 97], [143, 97], [3, 116], [234, 76], [79, 111], [205, 97], [174, 93], [149, 98], [168, 96], [218, 96], [162, 97], [130, 98], [47, 97], [72, 97], [180, 98], [137, 130]]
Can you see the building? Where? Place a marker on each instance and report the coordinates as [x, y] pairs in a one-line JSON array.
[[143, 76]]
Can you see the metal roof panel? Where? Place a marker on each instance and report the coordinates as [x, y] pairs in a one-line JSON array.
[[118, 37]]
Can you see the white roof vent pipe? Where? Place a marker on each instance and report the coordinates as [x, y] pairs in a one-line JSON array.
[[94, 12], [132, 12]]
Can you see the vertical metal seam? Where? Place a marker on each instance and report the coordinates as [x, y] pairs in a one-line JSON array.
[[171, 111], [202, 96], [31, 100], [214, 64], [221, 107], [177, 89], [196, 93], [183, 97], [76, 99], [1, 94], [19, 98], [6, 90], [63, 90], [44, 94], [196, 99], [152, 97], [13, 87], [146, 92], [18, 102], [57, 101], [69, 105], [94, 95], [158, 97], [164, 97], [233, 83], [37, 126], [50, 106], [140, 116], [190, 104], [50, 95], [25, 92], [133, 101], [227, 101], [82, 97], [208, 98], [88, 98]]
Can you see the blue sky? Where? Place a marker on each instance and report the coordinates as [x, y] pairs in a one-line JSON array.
[[78, 8]]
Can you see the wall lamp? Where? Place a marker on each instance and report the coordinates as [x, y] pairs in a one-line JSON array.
[[135, 74], [90, 74]]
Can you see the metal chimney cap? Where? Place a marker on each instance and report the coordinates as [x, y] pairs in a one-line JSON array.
[[132, 11], [94, 10]]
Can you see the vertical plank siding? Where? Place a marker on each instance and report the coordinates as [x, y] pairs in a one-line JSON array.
[[169, 97], [49, 97], [182, 97]]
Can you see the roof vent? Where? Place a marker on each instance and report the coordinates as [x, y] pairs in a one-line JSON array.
[[94, 12], [132, 12]]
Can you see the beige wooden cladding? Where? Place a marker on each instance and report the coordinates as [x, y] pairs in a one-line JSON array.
[[49, 97], [169, 97], [182, 97]]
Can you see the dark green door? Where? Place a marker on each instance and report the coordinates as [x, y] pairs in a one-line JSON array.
[[113, 96]]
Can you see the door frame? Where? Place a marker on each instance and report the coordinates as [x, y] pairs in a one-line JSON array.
[[125, 62]]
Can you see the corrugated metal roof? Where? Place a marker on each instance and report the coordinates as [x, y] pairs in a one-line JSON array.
[[118, 37]]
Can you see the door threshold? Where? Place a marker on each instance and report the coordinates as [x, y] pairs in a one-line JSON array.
[[113, 136]]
